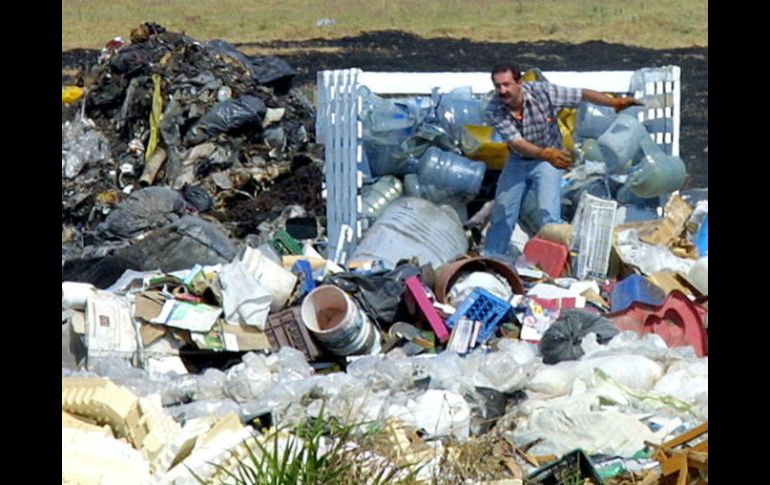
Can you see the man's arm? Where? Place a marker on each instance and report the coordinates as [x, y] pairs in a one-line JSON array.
[[617, 104], [557, 158]]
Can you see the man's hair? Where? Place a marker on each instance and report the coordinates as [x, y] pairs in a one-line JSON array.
[[505, 68]]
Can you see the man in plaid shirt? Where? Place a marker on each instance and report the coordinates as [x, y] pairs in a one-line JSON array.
[[524, 113]]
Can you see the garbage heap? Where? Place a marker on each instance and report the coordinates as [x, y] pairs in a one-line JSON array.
[[204, 331]]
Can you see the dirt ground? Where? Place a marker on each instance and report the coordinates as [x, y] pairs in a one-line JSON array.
[[399, 51]]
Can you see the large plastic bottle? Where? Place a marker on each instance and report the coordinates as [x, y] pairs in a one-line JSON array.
[[457, 109], [437, 195], [657, 173], [448, 171], [593, 120], [620, 142], [379, 194]]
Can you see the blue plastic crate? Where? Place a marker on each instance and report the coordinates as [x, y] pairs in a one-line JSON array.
[[482, 306]]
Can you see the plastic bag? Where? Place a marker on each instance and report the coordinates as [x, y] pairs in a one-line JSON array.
[[81, 144], [144, 209], [378, 294], [226, 117], [182, 245], [562, 339]]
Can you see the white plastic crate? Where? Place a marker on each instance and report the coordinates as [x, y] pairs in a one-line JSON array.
[[338, 128], [592, 229]]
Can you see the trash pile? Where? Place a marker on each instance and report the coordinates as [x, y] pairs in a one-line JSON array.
[[202, 309]]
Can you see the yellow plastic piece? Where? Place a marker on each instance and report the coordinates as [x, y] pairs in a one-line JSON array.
[[477, 144], [70, 94]]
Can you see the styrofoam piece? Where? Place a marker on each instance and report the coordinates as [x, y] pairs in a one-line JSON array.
[[592, 229]]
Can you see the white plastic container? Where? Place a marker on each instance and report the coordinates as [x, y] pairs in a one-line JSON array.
[[270, 275], [75, 295]]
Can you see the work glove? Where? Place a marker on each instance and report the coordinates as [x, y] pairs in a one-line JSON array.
[[619, 104], [558, 158]]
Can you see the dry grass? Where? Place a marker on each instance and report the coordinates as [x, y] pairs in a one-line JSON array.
[[650, 23]]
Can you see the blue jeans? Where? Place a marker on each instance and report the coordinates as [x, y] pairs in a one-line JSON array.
[[517, 177]]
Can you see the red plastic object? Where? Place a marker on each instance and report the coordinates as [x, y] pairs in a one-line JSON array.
[[678, 321], [414, 285], [550, 256]]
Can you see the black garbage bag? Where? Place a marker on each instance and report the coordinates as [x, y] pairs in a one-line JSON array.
[[102, 271], [131, 59], [228, 116], [197, 197], [378, 294], [145, 209], [487, 406], [273, 71], [562, 339], [182, 245]]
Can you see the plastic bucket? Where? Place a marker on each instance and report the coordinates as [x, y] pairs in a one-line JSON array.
[[337, 322]]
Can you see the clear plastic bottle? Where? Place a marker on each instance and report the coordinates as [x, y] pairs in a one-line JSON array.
[[593, 120], [379, 194], [449, 171]]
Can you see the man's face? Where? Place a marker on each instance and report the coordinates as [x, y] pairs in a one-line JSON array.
[[506, 88]]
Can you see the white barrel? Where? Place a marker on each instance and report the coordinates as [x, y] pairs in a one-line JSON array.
[[412, 227], [336, 321]]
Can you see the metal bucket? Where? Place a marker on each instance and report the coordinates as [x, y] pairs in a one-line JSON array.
[[337, 323]]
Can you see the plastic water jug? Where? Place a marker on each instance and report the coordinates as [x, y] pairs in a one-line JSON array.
[[413, 188], [593, 120], [620, 143], [379, 194], [657, 173], [451, 172], [455, 111]]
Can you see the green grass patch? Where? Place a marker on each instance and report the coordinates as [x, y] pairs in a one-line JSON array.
[[655, 23]]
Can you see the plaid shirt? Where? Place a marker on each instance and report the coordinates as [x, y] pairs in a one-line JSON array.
[[539, 125]]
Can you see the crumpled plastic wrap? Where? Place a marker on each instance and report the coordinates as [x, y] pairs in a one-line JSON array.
[[82, 143], [647, 257]]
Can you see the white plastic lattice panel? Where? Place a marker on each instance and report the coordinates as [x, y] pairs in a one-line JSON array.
[[592, 228], [660, 91], [338, 128]]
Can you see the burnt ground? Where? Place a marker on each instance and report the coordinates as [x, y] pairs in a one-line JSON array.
[[399, 51]]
